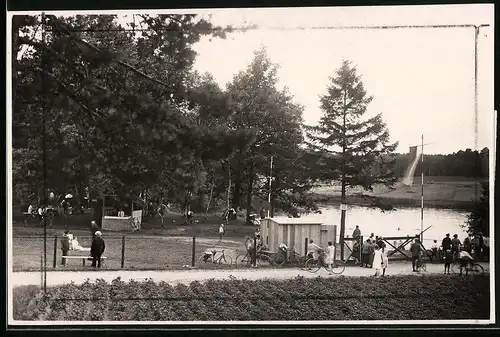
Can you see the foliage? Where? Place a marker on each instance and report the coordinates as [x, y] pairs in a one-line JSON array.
[[478, 221], [360, 298], [355, 150], [466, 163]]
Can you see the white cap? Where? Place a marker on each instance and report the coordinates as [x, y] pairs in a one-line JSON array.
[[98, 233]]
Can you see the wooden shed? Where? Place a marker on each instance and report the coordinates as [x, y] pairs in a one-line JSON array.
[[293, 232]]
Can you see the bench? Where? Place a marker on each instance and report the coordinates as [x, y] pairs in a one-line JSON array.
[[83, 258]]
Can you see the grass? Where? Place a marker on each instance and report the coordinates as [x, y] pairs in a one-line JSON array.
[[439, 192], [146, 251], [435, 297]]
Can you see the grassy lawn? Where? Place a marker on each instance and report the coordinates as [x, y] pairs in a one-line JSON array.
[[440, 192], [411, 297], [170, 249]]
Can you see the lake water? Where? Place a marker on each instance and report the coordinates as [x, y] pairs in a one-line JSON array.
[[396, 223]]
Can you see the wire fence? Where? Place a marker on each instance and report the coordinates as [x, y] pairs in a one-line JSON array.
[[130, 252]]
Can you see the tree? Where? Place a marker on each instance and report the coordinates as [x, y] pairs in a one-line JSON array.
[[478, 221], [266, 123], [114, 111], [355, 150]]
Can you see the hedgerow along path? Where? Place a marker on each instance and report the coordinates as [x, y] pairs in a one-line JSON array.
[[190, 275]]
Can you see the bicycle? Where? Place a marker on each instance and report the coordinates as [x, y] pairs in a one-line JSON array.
[[314, 265], [260, 259], [421, 264], [222, 259], [472, 267], [288, 256]]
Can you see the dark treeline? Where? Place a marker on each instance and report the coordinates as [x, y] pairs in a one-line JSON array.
[[468, 163], [100, 109]]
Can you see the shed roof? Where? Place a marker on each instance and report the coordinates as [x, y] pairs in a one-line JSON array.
[[296, 221]]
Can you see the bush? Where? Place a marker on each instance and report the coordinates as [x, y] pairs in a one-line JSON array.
[[342, 298]]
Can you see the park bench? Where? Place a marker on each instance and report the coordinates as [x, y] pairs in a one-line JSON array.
[[83, 258]]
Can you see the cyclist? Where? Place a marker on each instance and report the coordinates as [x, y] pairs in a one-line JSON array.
[[465, 260], [314, 250]]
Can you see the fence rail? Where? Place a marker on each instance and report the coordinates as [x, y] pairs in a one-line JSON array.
[[121, 252]]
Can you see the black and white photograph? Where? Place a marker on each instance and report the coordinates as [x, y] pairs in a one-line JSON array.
[[312, 165]]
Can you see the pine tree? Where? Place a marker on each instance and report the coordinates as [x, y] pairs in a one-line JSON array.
[[353, 149]]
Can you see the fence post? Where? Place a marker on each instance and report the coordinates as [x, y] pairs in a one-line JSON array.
[[123, 251], [41, 271], [55, 251], [360, 249], [193, 252], [254, 252], [305, 254]]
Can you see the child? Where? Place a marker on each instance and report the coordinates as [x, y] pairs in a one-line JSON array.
[[330, 257], [377, 260], [222, 231], [448, 259]]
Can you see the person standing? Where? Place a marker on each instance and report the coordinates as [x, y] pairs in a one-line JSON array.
[[480, 246], [385, 260], [65, 245], [380, 242], [448, 259], [330, 257], [377, 260], [222, 231], [365, 253], [373, 246], [455, 245], [446, 243], [357, 234], [97, 249], [434, 251], [467, 244], [415, 250]]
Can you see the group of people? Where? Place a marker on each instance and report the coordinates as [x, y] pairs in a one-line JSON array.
[[97, 247], [452, 249]]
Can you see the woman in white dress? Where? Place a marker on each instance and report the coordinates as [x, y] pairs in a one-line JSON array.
[[377, 260], [330, 257], [385, 261]]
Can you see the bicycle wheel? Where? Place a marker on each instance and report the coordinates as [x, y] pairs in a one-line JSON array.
[[243, 259], [455, 268], [295, 259], [225, 260], [302, 262], [476, 269], [202, 260], [277, 259], [263, 260], [312, 266], [338, 268]]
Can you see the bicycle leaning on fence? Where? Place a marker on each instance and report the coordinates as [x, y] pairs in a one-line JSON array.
[[246, 259], [420, 264], [210, 257], [314, 265], [287, 256]]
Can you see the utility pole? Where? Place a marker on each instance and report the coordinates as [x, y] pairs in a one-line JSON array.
[[476, 109]]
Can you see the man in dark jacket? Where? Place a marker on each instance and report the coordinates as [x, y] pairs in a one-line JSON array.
[[97, 249], [415, 249], [64, 246], [446, 243], [357, 234]]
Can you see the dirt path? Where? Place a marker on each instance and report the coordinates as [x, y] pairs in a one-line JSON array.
[[188, 276]]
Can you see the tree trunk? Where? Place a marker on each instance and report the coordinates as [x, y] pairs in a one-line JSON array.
[[342, 198], [235, 203], [249, 193]]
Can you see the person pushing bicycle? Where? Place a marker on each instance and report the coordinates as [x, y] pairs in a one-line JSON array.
[[465, 260]]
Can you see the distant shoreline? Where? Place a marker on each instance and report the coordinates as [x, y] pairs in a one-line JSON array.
[[406, 203]]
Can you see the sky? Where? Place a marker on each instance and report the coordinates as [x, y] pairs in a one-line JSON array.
[[421, 79]]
